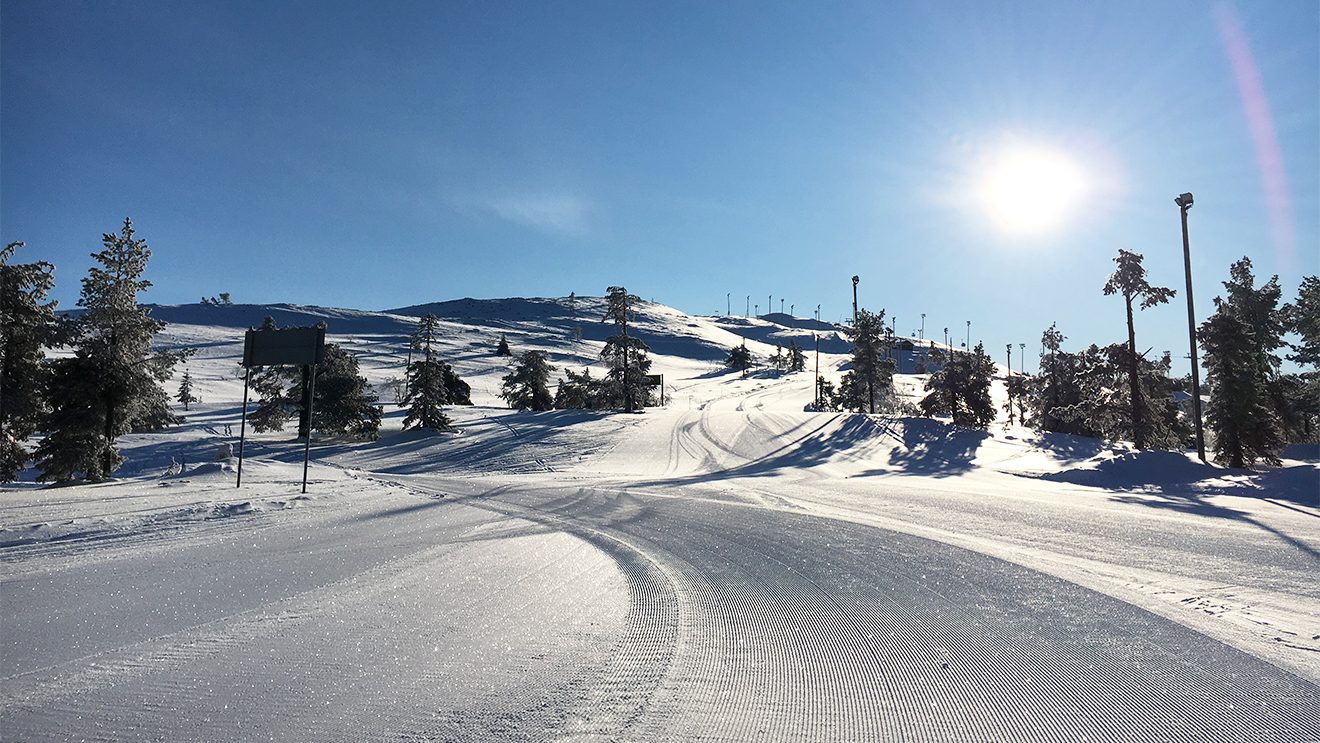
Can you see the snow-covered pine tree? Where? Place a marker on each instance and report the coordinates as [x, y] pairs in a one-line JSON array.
[[868, 386], [502, 348], [1129, 280], [829, 399], [344, 401], [1303, 318], [112, 385], [797, 361], [1240, 415], [426, 395], [527, 387], [186, 396], [27, 326], [625, 354], [740, 357], [580, 392], [961, 390], [1049, 380], [1302, 390]]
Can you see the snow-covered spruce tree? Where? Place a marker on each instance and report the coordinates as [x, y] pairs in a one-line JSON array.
[[186, 396], [1258, 307], [868, 386], [1054, 374], [1303, 318], [27, 326], [1302, 390], [580, 392], [740, 357], [527, 387], [961, 390], [502, 348], [1129, 280], [829, 399], [626, 355], [344, 402], [112, 385], [426, 395], [1240, 415], [797, 361]]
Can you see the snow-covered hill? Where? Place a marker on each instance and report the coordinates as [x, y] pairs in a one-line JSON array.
[[600, 574]]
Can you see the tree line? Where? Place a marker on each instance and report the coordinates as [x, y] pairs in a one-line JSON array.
[[109, 379], [1115, 392]]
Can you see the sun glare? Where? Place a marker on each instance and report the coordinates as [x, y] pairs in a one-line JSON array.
[[1031, 190]]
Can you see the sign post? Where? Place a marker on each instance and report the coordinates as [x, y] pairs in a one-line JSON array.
[[303, 347]]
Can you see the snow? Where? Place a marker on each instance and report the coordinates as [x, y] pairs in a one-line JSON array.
[[606, 575]]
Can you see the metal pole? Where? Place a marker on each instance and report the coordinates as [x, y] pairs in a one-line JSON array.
[[728, 303], [817, 337], [748, 311], [1008, 383], [627, 390], [855, 280], [311, 406], [242, 427], [1183, 205], [969, 335]]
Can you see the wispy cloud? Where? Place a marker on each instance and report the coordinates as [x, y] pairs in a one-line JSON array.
[[553, 213]]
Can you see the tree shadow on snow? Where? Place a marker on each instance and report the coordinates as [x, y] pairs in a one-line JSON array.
[[935, 449], [1196, 504]]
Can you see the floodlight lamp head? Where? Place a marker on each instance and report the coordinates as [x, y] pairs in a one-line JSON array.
[[855, 280], [1184, 201]]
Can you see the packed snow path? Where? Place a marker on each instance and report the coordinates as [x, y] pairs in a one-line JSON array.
[[582, 611]]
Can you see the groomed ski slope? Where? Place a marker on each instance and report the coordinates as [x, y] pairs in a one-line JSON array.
[[729, 567]]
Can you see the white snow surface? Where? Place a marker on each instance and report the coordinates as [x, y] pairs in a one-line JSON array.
[[403, 596]]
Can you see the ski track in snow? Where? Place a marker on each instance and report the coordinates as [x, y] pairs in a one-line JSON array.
[[728, 568]]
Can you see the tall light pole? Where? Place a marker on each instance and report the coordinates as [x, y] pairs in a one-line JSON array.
[[817, 313], [1184, 202], [728, 303], [855, 280], [921, 334], [748, 311], [769, 306], [969, 336], [817, 338], [1022, 358], [1008, 383], [946, 339]]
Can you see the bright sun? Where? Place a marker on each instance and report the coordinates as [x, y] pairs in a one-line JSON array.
[[1031, 190]]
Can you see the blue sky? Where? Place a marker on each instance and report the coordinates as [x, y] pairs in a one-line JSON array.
[[377, 155]]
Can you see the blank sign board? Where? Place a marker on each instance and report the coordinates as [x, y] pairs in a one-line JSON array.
[[286, 346]]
